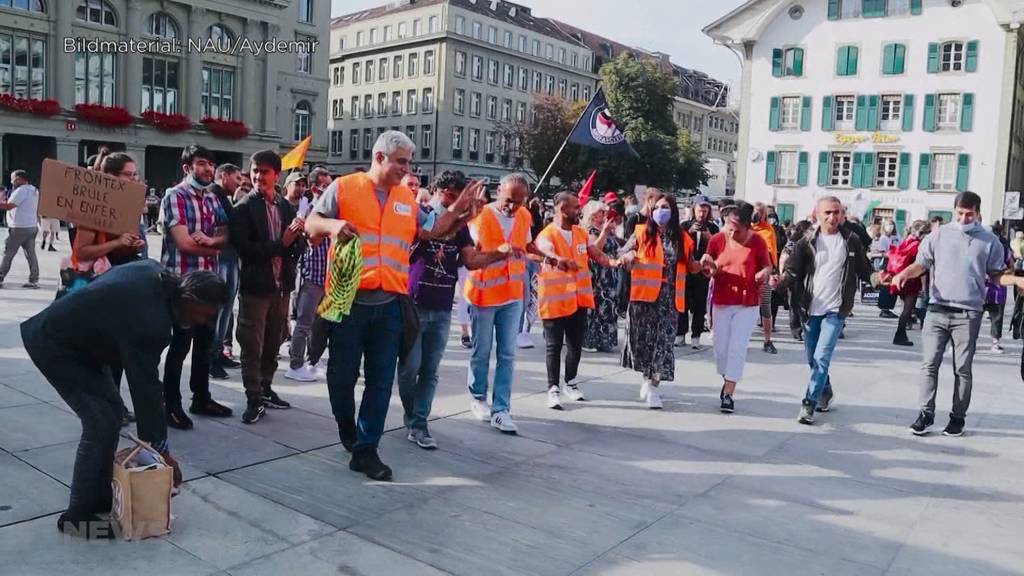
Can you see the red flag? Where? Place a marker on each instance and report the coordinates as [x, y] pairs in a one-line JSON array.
[[584, 194]]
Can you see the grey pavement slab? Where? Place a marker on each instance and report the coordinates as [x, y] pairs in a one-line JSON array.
[[338, 554], [27, 492], [9, 397], [36, 425], [225, 525], [213, 447]]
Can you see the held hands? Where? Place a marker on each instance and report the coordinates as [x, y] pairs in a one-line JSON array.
[[762, 276], [708, 265], [294, 230], [627, 260], [773, 281], [342, 230], [898, 280], [566, 265], [129, 241]]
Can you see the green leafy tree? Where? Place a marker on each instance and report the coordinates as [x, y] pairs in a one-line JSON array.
[[691, 171]]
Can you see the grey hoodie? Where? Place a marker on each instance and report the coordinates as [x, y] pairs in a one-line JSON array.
[[959, 263]]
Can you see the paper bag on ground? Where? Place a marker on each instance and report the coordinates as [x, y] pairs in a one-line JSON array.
[[142, 492]]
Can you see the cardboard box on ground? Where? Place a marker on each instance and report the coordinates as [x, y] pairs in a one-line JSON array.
[[90, 199]]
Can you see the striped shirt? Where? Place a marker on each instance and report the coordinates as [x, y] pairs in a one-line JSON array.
[[313, 263], [197, 210]]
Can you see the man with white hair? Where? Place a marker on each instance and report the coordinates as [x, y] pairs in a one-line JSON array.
[[378, 208], [495, 294]]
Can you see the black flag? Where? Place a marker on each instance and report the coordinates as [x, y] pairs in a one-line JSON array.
[[596, 129]]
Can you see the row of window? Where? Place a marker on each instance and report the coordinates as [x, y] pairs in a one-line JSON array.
[[943, 57], [943, 112], [564, 57], [414, 104], [721, 124], [722, 146], [392, 32], [384, 69], [875, 170], [510, 76], [476, 106], [846, 9]]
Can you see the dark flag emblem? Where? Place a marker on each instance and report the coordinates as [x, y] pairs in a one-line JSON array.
[[597, 129]]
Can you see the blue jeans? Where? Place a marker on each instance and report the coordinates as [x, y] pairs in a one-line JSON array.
[[821, 333], [531, 271], [489, 321], [417, 376], [373, 334], [228, 270]]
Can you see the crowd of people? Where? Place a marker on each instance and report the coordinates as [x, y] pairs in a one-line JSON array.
[[244, 258]]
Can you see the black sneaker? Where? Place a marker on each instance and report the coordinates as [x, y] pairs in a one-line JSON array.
[[827, 397], [176, 418], [467, 342], [770, 348], [806, 413], [367, 461], [229, 362], [253, 412], [272, 400], [887, 314], [924, 422], [127, 417], [727, 406], [955, 427], [347, 437], [217, 371], [209, 407]]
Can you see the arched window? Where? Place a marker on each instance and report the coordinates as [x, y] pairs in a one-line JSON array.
[[221, 36], [29, 5], [97, 12], [302, 117], [161, 25]]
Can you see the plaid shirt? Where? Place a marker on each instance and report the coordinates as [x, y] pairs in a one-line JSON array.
[[197, 211], [314, 263]]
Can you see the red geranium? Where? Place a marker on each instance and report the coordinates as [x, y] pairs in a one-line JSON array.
[[31, 105], [167, 122], [115, 116], [232, 129]]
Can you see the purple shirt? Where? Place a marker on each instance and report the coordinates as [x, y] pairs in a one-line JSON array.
[[434, 270]]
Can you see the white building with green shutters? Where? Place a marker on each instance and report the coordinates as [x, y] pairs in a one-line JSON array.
[[892, 105]]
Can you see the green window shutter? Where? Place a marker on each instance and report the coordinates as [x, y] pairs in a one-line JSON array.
[[773, 115], [929, 112], [861, 118], [873, 9], [903, 182], [908, 112], [967, 112], [858, 169], [963, 172], [899, 58], [769, 168], [924, 172], [798, 62], [873, 112], [801, 171], [851, 67], [971, 59], [915, 7], [827, 118], [842, 60], [933, 57], [822, 168], [777, 62], [833, 9], [888, 58], [901, 220], [867, 177], [805, 114]]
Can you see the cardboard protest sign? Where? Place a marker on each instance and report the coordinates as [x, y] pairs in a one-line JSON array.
[[91, 199]]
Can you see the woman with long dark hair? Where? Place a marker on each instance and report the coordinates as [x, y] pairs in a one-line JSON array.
[[661, 255], [603, 323]]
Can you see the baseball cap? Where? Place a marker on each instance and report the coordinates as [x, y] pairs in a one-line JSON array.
[[610, 197], [701, 199], [294, 177]]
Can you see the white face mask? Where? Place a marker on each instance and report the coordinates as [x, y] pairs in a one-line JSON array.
[[973, 226]]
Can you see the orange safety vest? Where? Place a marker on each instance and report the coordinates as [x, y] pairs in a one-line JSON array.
[[499, 282], [645, 278], [561, 294], [386, 236]]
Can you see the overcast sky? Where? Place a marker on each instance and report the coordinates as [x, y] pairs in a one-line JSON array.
[[669, 26]]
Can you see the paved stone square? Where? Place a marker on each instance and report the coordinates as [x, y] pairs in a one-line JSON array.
[[605, 487]]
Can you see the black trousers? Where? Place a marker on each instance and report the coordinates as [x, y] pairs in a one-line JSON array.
[[199, 338], [569, 329], [696, 306]]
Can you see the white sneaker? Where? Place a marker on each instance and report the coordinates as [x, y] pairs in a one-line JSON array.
[[300, 374], [997, 348], [481, 411], [314, 369], [645, 388], [574, 392], [554, 398], [695, 343], [681, 340], [523, 340], [654, 399], [503, 421]]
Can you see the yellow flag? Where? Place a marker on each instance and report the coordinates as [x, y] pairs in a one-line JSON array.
[[297, 156]]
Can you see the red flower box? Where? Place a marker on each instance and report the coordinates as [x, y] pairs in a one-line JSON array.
[[114, 116], [171, 123], [30, 105], [232, 129]]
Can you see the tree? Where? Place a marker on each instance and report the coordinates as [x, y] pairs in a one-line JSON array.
[[691, 171], [540, 140]]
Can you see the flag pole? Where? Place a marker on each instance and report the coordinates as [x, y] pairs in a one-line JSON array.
[[564, 142]]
